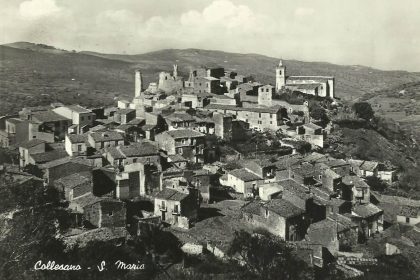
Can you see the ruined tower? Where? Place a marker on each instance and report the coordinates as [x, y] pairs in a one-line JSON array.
[[138, 83], [175, 73], [280, 76]]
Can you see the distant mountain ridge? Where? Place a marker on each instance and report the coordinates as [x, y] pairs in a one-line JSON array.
[[33, 74]]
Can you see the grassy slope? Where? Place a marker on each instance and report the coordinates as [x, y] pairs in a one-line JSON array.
[[33, 78]]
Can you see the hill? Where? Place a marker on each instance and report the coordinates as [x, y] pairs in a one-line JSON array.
[[36, 74], [351, 81]]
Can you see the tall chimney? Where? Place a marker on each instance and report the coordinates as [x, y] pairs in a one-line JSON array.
[[138, 83]]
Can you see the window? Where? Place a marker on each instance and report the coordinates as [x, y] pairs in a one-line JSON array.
[[79, 148], [259, 115], [266, 213], [110, 214], [176, 208], [407, 220], [134, 160], [163, 204]]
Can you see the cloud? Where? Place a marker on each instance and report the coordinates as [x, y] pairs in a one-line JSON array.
[[38, 8], [302, 12]]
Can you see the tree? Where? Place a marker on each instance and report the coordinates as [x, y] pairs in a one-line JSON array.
[[319, 113], [267, 257], [363, 110]]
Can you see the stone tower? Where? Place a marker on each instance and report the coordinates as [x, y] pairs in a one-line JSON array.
[[280, 76], [191, 76], [175, 73], [138, 83]]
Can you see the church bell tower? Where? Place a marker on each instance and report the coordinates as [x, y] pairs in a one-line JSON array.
[[280, 76]]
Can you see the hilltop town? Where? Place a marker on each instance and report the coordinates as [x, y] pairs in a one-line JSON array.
[[204, 157]]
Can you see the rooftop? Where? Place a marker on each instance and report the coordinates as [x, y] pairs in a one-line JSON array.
[[79, 109], [312, 126], [171, 194], [14, 120], [86, 200], [76, 179], [48, 156], [308, 86], [284, 208], [184, 133], [106, 136], [366, 210], [139, 149], [409, 211], [244, 175], [31, 143], [270, 110], [47, 116], [316, 78], [77, 138]]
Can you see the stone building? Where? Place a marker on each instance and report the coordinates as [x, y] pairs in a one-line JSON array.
[[277, 216], [170, 83], [322, 86], [185, 142], [244, 181], [258, 118], [176, 208], [75, 185], [82, 118], [34, 146]]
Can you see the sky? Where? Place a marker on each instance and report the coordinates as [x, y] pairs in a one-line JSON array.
[[378, 33]]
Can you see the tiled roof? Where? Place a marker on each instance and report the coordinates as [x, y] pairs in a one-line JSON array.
[[65, 160], [106, 136], [244, 175], [368, 165], [176, 158], [139, 149], [305, 169], [284, 208], [31, 143], [125, 111], [76, 179], [302, 78], [78, 109], [355, 181], [330, 173], [270, 110], [48, 116], [180, 117], [86, 200], [366, 210], [184, 133], [253, 207], [78, 138], [295, 188], [308, 86], [409, 211], [312, 126], [49, 156], [170, 194], [14, 120]]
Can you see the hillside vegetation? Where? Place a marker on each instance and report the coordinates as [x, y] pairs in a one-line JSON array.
[[34, 74]]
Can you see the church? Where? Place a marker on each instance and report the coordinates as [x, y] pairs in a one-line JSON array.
[[322, 86]]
